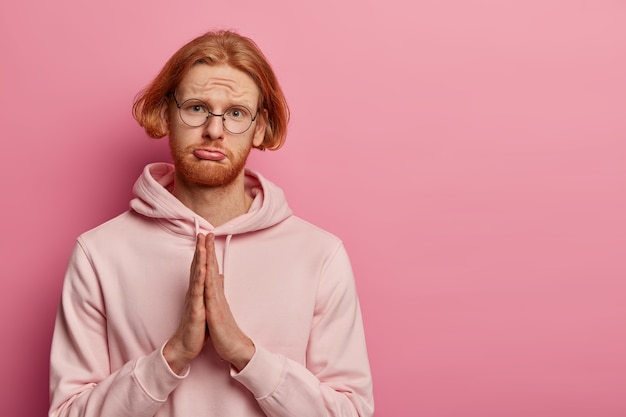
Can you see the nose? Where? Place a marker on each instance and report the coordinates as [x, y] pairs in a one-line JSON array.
[[214, 128]]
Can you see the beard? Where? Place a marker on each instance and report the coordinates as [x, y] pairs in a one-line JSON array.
[[208, 173]]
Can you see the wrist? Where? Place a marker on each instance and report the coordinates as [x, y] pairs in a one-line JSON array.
[[176, 362], [242, 357]]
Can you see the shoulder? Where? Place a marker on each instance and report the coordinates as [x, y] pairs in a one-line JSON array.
[[118, 222], [112, 231], [300, 226], [304, 239]]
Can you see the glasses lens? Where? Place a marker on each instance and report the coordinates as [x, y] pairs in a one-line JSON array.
[[194, 112], [237, 119]]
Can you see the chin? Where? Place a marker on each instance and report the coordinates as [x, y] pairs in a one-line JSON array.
[[216, 176]]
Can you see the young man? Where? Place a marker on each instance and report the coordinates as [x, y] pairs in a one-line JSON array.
[[208, 297]]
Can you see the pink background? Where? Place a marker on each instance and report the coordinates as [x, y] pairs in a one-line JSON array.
[[471, 154]]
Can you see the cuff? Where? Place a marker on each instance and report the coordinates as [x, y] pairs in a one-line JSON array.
[[155, 376], [263, 374]]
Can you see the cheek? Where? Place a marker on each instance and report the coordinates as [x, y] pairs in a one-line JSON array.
[[180, 134], [177, 140]]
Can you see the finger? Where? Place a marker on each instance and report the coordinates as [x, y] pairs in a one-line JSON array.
[[198, 267], [211, 263], [213, 286], [200, 238]]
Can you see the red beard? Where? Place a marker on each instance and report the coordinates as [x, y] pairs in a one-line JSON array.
[[211, 174]]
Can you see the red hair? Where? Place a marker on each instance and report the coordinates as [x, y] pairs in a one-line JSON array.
[[216, 48]]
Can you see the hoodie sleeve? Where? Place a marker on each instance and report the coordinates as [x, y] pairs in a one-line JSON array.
[[82, 382], [336, 380]]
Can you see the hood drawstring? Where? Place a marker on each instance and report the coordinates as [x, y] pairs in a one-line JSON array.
[[196, 225], [224, 258]]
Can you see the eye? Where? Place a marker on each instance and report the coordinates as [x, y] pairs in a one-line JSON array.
[[237, 113], [194, 106]]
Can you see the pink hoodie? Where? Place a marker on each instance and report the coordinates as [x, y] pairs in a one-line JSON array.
[[290, 287]]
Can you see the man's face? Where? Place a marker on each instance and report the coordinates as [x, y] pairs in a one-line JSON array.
[[210, 155]]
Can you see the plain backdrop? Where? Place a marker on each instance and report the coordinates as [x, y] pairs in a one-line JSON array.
[[470, 153]]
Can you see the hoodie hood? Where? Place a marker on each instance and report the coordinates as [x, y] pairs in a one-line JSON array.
[[153, 199]]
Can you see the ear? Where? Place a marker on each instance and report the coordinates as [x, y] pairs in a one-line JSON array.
[[165, 118], [259, 129]]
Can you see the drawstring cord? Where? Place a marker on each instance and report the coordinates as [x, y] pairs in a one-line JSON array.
[[196, 224], [224, 258]]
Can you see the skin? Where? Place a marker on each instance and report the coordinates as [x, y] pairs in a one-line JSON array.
[[213, 187]]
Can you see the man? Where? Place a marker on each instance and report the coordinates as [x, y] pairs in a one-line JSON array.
[[208, 297]]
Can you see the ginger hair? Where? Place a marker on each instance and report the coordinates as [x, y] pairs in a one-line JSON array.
[[216, 48]]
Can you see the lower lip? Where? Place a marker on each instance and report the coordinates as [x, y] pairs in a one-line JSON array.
[[208, 155]]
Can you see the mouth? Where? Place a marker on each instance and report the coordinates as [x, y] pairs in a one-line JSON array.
[[209, 154]]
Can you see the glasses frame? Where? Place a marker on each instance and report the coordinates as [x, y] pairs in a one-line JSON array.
[[180, 105]]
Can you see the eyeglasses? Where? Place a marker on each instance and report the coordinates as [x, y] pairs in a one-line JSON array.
[[195, 113]]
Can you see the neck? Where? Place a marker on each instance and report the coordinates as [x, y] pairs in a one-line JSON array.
[[217, 205]]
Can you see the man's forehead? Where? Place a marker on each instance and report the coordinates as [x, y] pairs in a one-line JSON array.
[[203, 78]]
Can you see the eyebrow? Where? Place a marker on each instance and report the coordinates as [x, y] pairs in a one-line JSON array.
[[230, 105]]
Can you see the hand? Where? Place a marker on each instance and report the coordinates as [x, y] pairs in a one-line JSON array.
[[207, 313], [191, 335], [230, 343]]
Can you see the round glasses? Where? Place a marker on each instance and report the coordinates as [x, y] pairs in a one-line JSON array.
[[195, 113]]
